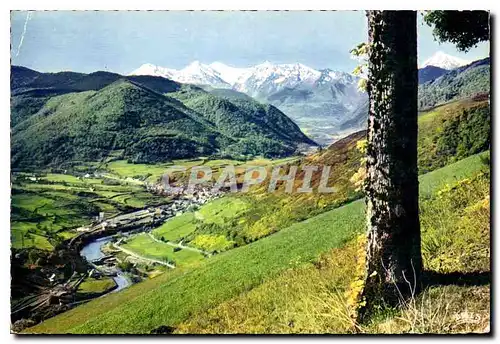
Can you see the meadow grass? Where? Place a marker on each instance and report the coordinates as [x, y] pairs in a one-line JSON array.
[[145, 246], [315, 298], [184, 227], [92, 285], [174, 297], [450, 174], [308, 298], [222, 209], [176, 228]]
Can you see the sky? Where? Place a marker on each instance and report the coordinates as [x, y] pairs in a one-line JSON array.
[[121, 41]]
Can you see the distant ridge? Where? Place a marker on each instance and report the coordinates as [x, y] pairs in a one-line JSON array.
[[57, 118]]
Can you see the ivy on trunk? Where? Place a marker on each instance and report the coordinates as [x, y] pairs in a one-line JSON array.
[[394, 261]]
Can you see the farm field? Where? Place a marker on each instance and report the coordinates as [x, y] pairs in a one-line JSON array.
[[145, 246], [47, 208]]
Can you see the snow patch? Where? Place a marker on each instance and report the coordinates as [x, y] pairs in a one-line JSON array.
[[445, 61]]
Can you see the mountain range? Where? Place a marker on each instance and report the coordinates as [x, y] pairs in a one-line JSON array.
[[65, 117], [323, 102], [229, 112], [255, 80], [317, 100]]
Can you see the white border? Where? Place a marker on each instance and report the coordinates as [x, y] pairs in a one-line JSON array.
[[192, 5]]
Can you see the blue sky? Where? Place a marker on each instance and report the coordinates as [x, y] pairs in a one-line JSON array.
[[122, 41]]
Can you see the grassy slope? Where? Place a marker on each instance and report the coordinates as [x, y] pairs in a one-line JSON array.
[[92, 285], [172, 298], [176, 227], [434, 121], [318, 297]]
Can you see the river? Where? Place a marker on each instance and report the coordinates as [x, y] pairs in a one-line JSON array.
[[92, 251]]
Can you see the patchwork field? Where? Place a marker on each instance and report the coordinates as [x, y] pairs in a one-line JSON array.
[[47, 208]]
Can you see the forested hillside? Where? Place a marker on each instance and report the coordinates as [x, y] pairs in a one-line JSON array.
[[456, 84], [67, 116]]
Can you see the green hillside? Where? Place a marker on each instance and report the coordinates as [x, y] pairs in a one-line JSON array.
[[63, 117], [258, 127], [471, 81], [172, 298], [456, 84], [90, 125]]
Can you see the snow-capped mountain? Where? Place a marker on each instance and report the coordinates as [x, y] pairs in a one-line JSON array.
[[318, 100], [444, 61], [230, 74], [200, 74], [253, 80], [151, 69], [267, 78], [195, 73]]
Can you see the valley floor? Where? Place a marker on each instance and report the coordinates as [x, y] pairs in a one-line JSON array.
[[301, 279]]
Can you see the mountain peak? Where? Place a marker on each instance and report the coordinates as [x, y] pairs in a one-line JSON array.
[[200, 74], [265, 64], [445, 61], [151, 69], [228, 73]]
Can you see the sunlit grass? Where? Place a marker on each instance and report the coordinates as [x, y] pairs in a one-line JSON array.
[[173, 298], [176, 228], [92, 285], [145, 246]]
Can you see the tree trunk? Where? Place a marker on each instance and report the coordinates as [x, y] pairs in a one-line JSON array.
[[394, 260]]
